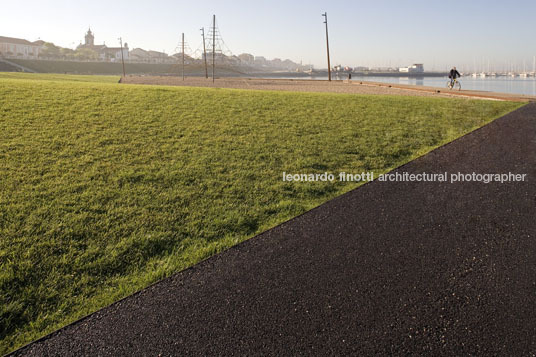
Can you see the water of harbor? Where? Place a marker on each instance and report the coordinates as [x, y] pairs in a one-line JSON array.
[[502, 84]]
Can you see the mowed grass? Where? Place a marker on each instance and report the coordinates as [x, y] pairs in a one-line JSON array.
[[106, 188], [58, 77]]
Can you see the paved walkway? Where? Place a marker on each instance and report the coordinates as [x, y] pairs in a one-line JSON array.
[[389, 268], [335, 86]]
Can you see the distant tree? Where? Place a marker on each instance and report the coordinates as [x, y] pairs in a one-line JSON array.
[[50, 50], [67, 53], [86, 54]]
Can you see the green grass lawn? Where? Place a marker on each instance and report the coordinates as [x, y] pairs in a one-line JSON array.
[[58, 77], [106, 188]]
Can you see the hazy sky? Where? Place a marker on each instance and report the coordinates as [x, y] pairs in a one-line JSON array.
[[372, 33]]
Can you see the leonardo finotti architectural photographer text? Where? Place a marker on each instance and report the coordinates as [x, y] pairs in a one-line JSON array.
[[406, 177]]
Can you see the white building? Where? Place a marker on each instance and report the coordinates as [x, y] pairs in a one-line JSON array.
[[415, 68], [105, 53], [143, 56], [247, 58], [260, 61], [17, 47], [113, 54]]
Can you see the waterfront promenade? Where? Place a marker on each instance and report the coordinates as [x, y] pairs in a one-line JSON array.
[[335, 86]]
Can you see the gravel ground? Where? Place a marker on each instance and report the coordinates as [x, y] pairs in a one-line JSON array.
[[297, 85], [390, 268]]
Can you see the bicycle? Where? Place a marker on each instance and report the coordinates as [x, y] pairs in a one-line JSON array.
[[454, 84]]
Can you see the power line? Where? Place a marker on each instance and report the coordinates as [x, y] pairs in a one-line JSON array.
[[325, 14], [204, 52], [213, 46], [183, 49], [122, 58], [183, 56]]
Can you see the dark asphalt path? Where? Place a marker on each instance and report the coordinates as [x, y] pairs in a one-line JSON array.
[[389, 268]]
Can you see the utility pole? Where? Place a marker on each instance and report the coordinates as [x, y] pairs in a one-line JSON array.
[[325, 14], [204, 52], [122, 58], [183, 56], [213, 46]]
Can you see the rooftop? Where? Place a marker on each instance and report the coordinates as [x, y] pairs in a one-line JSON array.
[[16, 41]]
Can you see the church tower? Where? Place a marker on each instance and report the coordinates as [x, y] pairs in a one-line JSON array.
[[90, 38]]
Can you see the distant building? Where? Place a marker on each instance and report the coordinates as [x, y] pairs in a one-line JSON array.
[[276, 62], [90, 38], [177, 58], [383, 69], [247, 58], [233, 60], [415, 68], [141, 55], [221, 58], [290, 65], [17, 47], [114, 53], [260, 61], [105, 53], [156, 56], [90, 43]]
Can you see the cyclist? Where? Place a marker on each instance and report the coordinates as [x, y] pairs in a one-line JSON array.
[[453, 75]]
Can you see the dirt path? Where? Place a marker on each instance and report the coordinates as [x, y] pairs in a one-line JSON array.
[[300, 85]]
